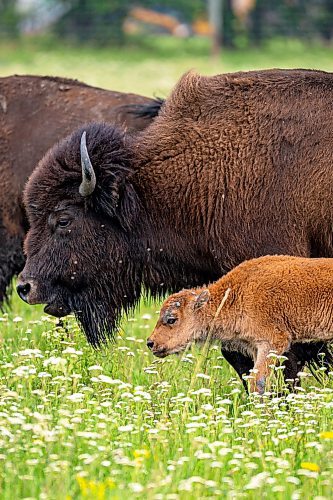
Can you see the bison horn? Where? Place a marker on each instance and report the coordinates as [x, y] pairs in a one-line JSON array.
[[88, 183]]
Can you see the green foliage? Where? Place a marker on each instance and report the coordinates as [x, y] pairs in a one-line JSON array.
[[188, 9], [9, 18], [297, 18], [99, 22]]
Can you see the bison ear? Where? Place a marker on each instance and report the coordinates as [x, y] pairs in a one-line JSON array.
[[118, 199], [201, 299]]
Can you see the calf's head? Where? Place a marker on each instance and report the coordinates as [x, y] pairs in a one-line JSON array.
[[81, 207], [180, 323]]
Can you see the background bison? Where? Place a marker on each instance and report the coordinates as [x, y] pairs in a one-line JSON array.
[[35, 112], [235, 166]]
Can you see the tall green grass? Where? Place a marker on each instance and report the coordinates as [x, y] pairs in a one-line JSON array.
[[117, 423]]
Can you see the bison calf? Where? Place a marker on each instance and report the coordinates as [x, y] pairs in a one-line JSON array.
[[262, 305]]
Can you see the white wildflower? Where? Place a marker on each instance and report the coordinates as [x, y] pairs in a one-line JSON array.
[[95, 368], [106, 463], [89, 435], [257, 481], [135, 487], [71, 350], [56, 362], [204, 391], [126, 428], [216, 465], [24, 371], [44, 375], [195, 425], [145, 395], [203, 375], [77, 397], [207, 407], [31, 353]]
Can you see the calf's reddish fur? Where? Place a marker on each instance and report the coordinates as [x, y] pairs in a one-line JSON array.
[[262, 305]]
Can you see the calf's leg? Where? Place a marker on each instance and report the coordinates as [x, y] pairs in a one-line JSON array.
[[263, 364]]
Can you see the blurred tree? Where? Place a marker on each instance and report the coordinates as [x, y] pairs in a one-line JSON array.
[[188, 9], [256, 19], [297, 18], [101, 21], [323, 19], [98, 21], [9, 18], [229, 25], [215, 12]]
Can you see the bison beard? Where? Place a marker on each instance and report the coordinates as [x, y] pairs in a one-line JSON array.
[[99, 309], [93, 316]]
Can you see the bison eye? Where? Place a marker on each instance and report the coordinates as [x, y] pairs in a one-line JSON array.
[[63, 223], [171, 321]]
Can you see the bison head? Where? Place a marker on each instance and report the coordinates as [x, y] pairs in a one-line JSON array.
[[180, 323], [82, 207]]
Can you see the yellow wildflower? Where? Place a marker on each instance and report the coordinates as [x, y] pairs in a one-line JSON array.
[[141, 453], [310, 466], [83, 484], [93, 488], [110, 483], [326, 435]]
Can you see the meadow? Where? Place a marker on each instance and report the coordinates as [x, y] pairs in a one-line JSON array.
[[117, 422]]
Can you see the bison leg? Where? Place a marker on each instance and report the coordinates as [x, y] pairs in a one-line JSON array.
[[316, 354], [11, 261], [292, 365], [241, 363]]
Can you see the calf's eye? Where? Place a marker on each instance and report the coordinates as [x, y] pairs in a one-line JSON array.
[[63, 223], [171, 321]]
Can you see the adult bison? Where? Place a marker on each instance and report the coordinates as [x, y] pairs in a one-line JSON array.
[[35, 112], [235, 166]]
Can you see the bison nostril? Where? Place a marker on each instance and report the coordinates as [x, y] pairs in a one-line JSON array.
[[150, 344], [23, 291]]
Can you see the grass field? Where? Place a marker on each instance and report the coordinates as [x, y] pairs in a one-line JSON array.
[[154, 68], [118, 423]]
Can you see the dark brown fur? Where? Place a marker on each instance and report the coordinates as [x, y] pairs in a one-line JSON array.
[[234, 167], [35, 112]]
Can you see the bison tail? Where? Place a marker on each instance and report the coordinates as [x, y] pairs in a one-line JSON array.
[[149, 110]]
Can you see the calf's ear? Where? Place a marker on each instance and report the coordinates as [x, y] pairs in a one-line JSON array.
[[201, 299]]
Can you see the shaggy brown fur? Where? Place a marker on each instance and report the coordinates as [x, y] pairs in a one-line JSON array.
[[262, 305], [35, 112], [234, 167]]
